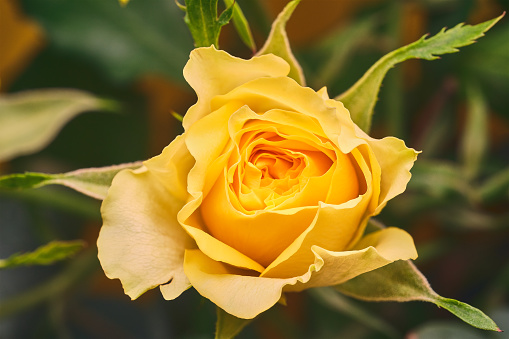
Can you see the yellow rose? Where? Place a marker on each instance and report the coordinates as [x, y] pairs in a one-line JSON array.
[[268, 191]]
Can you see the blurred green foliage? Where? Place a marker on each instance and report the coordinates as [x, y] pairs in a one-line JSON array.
[[457, 205]]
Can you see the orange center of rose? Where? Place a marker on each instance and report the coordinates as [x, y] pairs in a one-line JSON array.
[[271, 189]]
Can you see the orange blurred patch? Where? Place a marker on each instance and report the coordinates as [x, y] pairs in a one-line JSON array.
[[485, 10], [20, 39], [414, 23]]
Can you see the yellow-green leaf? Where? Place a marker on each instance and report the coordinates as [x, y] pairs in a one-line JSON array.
[[93, 182], [30, 120], [360, 99], [402, 281], [241, 24], [44, 255], [278, 44]]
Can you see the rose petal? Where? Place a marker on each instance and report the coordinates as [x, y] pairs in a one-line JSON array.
[[375, 250], [232, 289], [335, 227], [395, 161], [211, 72], [284, 94], [245, 296], [206, 141], [172, 167], [141, 242]]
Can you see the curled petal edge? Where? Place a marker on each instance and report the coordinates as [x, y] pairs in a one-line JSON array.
[[245, 296]]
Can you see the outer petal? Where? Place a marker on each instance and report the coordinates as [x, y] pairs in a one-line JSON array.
[[172, 167], [246, 296], [375, 250], [232, 289], [211, 72], [395, 161], [141, 242]]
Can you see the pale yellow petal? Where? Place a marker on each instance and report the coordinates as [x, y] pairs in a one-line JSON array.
[[211, 72], [375, 250], [141, 242], [206, 141], [219, 251], [244, 295], [395, 161], [231, 289], [172, 167]]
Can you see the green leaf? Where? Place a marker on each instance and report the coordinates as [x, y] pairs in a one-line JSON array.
[[439, 179], [402, 281], [339, 303], [205, 26], [228, 326], [145, 37], [360, 99], [93, 182], [241, 24], [44, 255], [495, 187], [475, 136], [30, 120], [278, 44]]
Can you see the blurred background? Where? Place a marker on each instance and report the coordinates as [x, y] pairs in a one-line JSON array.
[[456, 110]]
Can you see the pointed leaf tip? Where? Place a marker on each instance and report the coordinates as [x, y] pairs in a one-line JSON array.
[[360, 99], [402, 281], [44, 255]]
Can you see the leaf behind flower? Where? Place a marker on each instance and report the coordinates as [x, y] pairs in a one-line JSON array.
[[93, 182], [402, 281], [278, 44], [360, 99], [30, 120], [241, 24], [205, 26], [44, 255]]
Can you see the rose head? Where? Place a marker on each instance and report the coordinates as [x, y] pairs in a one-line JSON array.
[[268, 190]]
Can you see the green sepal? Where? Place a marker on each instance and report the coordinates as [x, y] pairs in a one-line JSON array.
[[241, 24], [278, 44], [402, 281], [44, 255], [30, 120], [360, 99], [228, 326], [93, 182], [205, 26]]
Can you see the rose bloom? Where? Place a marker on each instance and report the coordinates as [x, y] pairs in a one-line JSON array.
[[267, 191]]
